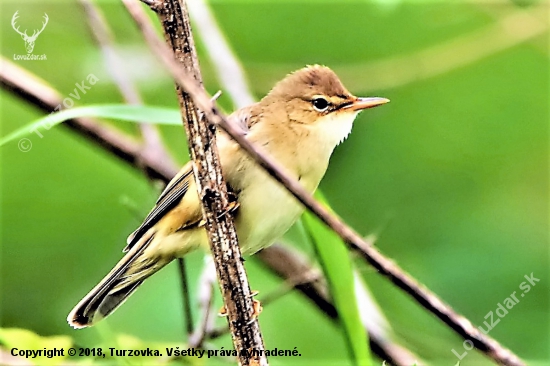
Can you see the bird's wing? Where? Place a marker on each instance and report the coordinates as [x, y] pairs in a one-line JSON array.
[[178, 188], [168, 200]]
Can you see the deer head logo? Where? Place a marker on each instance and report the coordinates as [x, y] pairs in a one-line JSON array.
[[29, 40]]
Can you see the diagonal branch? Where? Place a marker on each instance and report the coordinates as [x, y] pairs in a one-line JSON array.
[[102, 35], [39, 94], [388, 268], [286, 263], [229, 70], [31, 88]]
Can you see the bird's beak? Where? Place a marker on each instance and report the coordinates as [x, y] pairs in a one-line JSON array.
[[363, 103]]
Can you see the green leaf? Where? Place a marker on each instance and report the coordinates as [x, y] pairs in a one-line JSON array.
[[123, 112], [337, 266], [24, 339]]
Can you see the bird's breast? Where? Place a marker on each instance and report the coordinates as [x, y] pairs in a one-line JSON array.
[[265, 213], [267, 210]]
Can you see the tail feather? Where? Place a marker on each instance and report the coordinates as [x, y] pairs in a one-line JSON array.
[[116, 287]]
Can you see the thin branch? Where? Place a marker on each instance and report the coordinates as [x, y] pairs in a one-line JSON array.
[[245, 330], [302, 275], [205, 290], [102, 34], [186, 296], [385, 266], [286, 263], [289, 266], [228, 69], [29, 87], [36, 92]]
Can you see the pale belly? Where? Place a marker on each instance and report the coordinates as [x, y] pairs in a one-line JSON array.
[[267, 210]]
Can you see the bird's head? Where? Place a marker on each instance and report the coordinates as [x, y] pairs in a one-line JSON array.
[[315, 96]]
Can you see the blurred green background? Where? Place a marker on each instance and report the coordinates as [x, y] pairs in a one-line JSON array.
[[452, 176]]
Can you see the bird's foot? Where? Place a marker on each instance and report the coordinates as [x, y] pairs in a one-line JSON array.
[[256, 308], [232, 206], [223, 311]]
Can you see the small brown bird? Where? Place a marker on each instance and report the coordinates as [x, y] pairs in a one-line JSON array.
[[300, 122]]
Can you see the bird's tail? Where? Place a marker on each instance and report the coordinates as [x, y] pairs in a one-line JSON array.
[[117, 286]]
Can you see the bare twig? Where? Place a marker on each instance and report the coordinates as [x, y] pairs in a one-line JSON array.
[[38, 93], [102, 34], [388, 268], [227, 67], [207, 282], [245, 330], [186, 296], [286, 263], [31, 88]]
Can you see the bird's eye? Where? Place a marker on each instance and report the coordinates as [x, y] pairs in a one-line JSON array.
[[320, 104]]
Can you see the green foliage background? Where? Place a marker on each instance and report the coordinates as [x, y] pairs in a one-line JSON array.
[[452, 176]]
